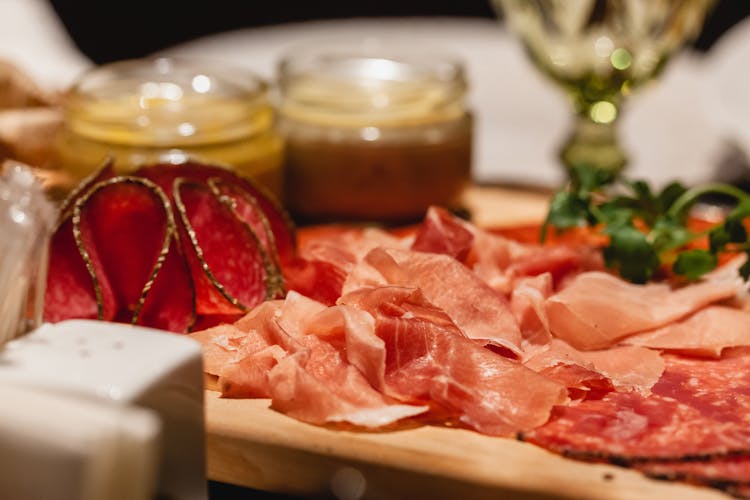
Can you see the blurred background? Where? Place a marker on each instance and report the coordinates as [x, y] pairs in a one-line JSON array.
[[107, 31]]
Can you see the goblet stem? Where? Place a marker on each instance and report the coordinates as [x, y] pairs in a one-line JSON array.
[[593, 143]]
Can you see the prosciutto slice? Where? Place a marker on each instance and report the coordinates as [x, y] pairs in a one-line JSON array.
[[527, 303], [443, 233], [429, 360], [312, 361], [627, 368], [446, 283], [317, 385], [596, 310], [706, 333], [325, 261]]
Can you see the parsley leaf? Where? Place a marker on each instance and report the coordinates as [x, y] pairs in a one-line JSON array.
[[694, 263], [631, 254], [646, 229]]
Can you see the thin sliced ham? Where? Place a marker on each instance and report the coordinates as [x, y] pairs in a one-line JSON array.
[[527, 303], [221, 344], [317, 385], [354, 331], [295, 352], [628, 368], [706, 333], [429, 360], [499, 261], [446, 283], [323, 262], [596, 310], [248, 377], [442, 232]]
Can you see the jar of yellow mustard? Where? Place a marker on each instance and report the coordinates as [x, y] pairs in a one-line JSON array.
[[169, 110], [373, 133]]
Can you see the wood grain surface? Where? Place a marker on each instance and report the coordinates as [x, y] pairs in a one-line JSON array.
[[251, 445]]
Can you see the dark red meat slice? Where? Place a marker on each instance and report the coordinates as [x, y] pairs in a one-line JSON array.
[[125, 228], [165, 174], [699, 408], [105, 172], [247, 209], [229, 267], [70, 289], [170, 302], [723, 472]]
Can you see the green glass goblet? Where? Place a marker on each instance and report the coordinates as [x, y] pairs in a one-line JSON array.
[[598, 51]]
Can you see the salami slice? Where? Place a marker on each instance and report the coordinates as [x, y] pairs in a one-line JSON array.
[[699, 409], [724, 472]]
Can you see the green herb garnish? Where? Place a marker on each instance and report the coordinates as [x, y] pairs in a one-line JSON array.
[[649, 229]]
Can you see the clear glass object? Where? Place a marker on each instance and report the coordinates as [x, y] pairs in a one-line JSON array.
[[372, 132], [166, 110], [599, 51], [26, 221]]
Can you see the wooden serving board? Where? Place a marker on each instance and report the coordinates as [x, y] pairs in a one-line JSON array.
[[251, 445]]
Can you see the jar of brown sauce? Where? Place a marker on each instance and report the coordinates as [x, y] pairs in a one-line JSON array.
[[372, 133]]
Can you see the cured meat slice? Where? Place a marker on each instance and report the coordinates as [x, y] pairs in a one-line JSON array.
[[70, 288], [165, 175], [562, 261], [500, 261], [326, 259], [446, 283], [248, 377], [105, 172], [228, 343], [319, 280], [317, 385], [629, 368], [241, 355], [429, 360], [723, 472], [527, 303], [247, 209], [222, 345], [596, 309], [106, 221], [169, 301], [699, 409], [295, 312], [229, 267], [706, 333], [490, 257], [441, 232]]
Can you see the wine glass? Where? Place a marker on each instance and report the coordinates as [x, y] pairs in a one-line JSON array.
[[598, 51]]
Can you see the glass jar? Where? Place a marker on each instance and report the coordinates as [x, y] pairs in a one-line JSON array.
[[166, 110], [372, 133]]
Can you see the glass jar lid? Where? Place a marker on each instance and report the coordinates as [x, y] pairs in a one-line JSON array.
[[167, 102], [370, 83]]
